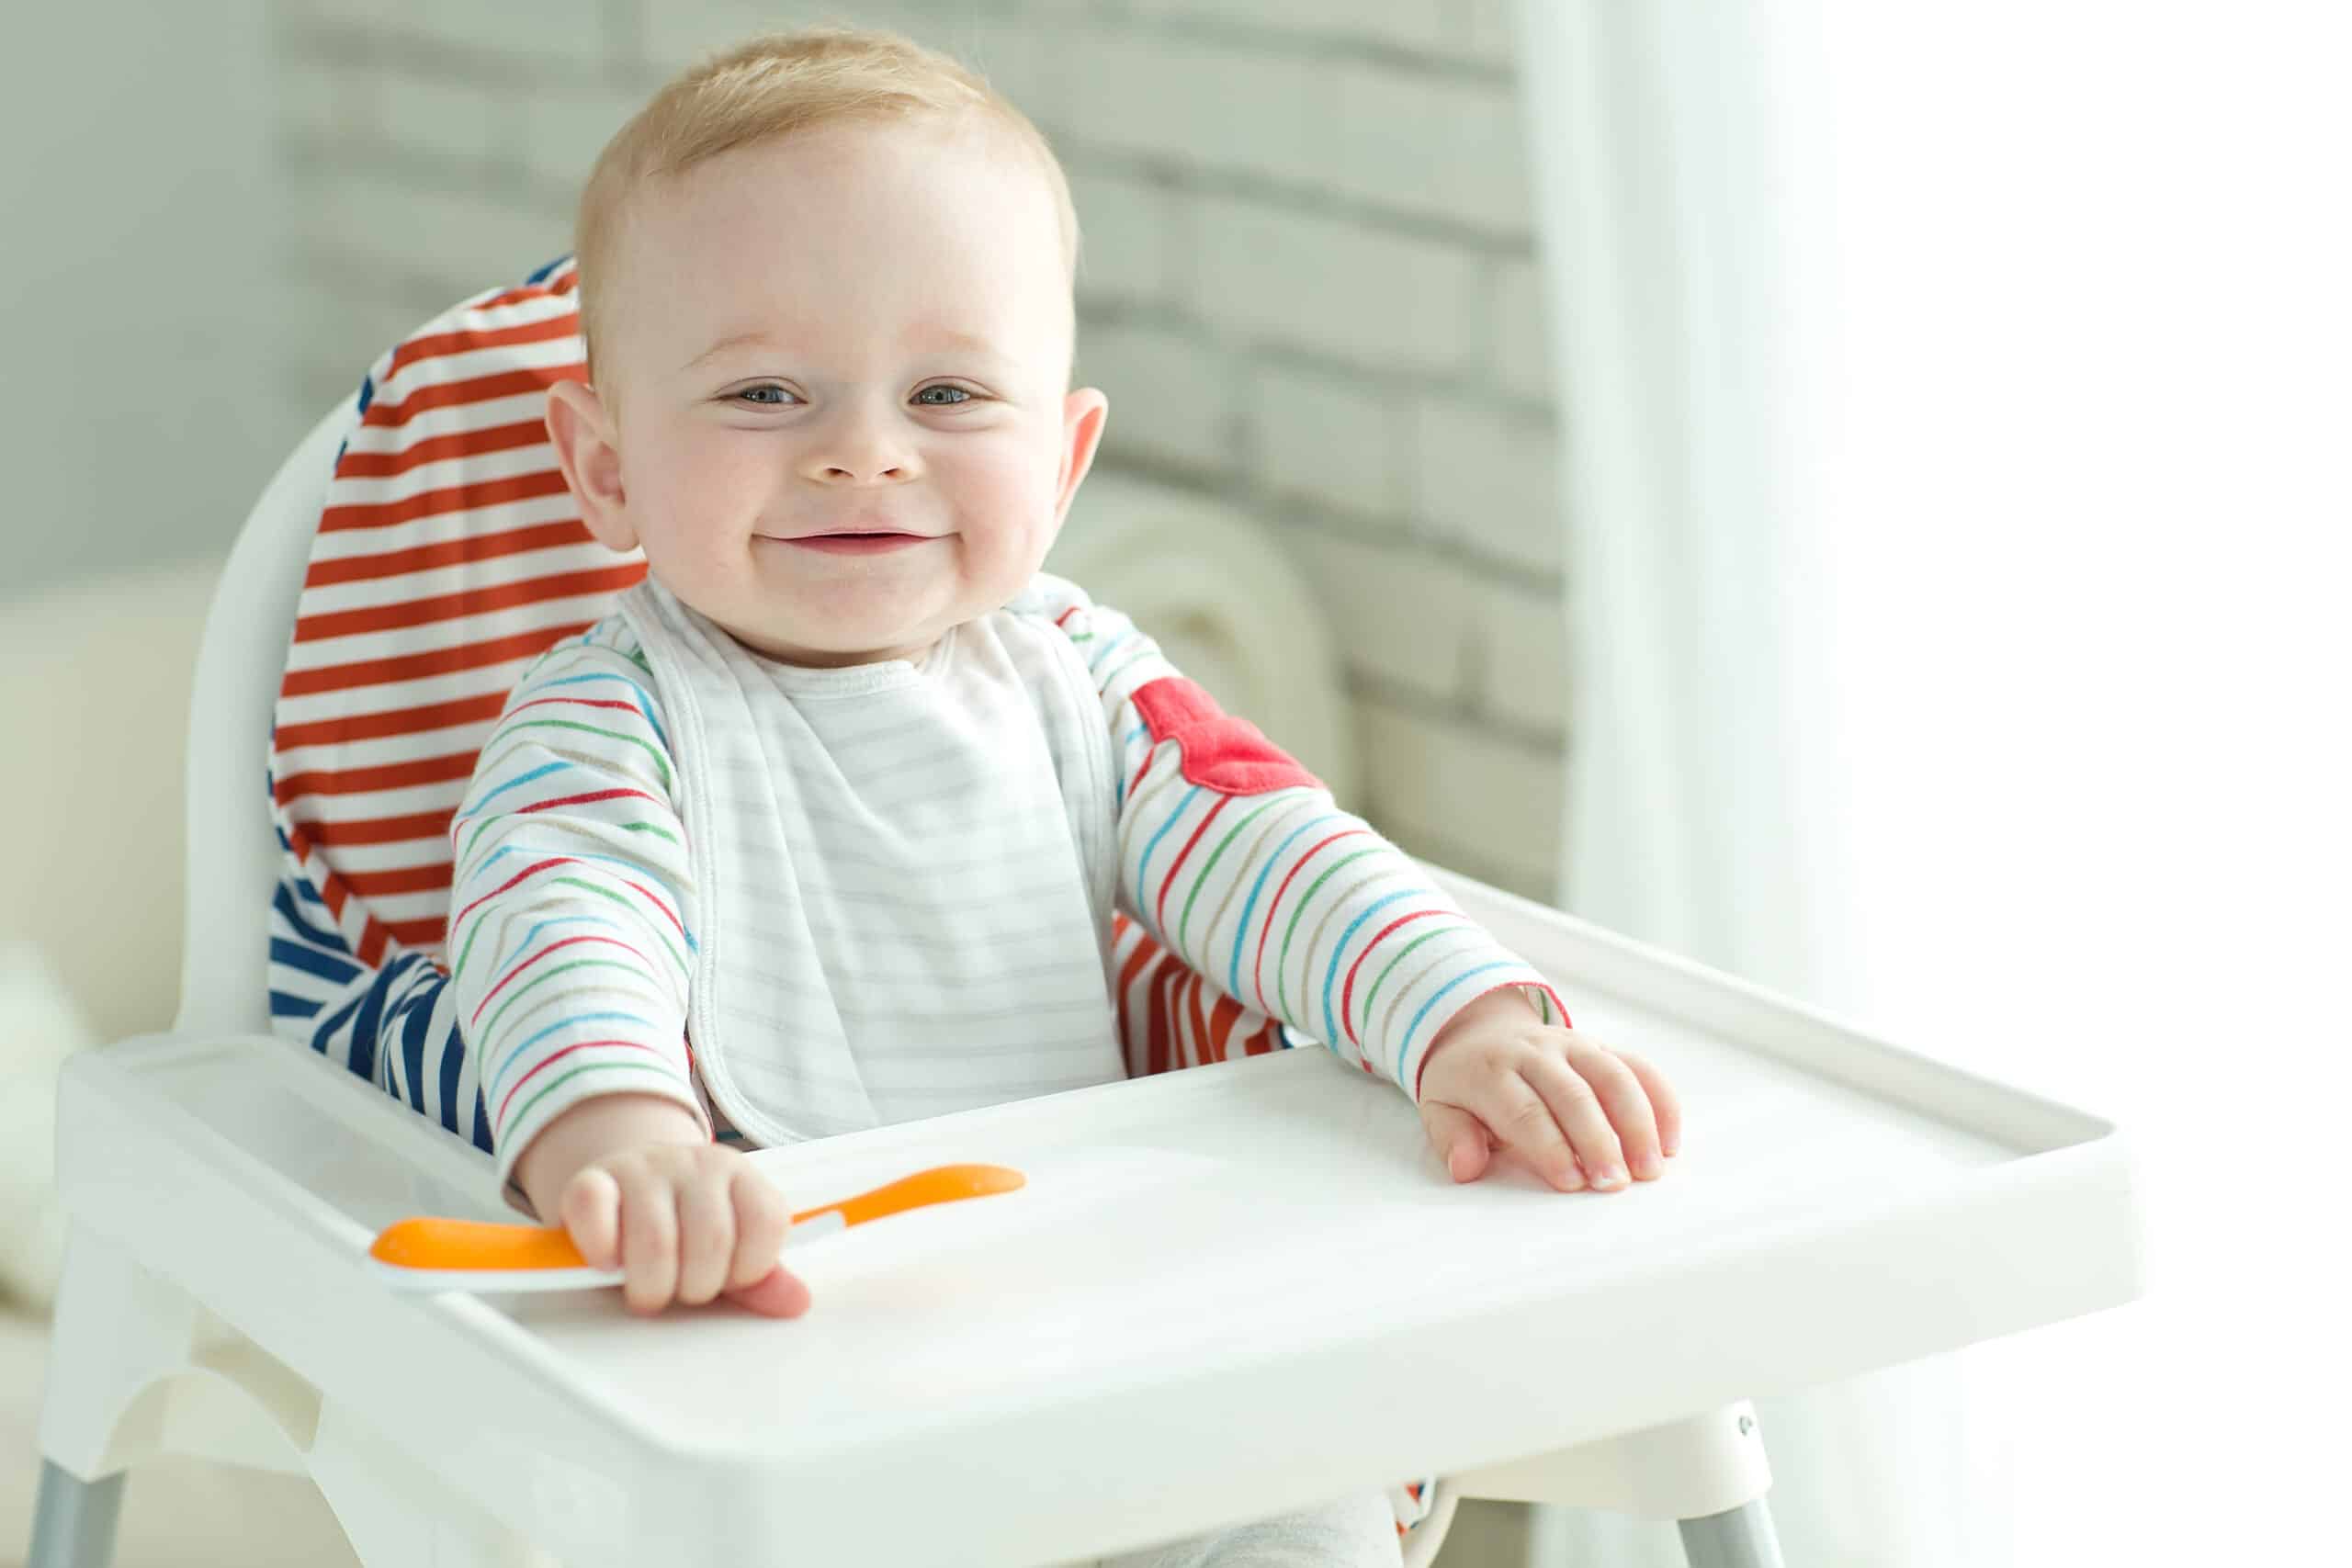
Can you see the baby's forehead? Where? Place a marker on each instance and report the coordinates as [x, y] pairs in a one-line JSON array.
[[710, 272], [796, 187]]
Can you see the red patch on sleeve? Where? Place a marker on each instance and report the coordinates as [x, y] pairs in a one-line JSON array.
[[1215, 750]]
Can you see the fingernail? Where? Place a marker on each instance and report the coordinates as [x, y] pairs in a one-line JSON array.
[[1608, 1176]]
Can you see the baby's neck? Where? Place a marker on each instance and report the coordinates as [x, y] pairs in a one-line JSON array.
[[788, 657]]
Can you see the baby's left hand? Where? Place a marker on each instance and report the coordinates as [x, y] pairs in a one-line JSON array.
[[1499, 1076]]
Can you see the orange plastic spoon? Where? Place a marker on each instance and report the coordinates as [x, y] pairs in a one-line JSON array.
[[432, 1254]]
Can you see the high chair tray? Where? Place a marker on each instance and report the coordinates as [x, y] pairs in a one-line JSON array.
[[1224, 1293]]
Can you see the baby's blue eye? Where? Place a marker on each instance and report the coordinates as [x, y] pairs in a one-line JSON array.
[[750, 391], [962, 396]]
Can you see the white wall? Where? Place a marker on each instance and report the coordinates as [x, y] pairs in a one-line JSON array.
[[140, 410]]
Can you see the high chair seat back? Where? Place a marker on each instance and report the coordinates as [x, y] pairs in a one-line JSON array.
[[446, 555]]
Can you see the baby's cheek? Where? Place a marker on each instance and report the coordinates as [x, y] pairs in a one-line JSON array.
[[1006, 514], [712, 484]]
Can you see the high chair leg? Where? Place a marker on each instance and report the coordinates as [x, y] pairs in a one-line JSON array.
[[137, 1367], [396, 1514], [114, 1330], [1707, 1473], [73, 1519], [1739, 1537]]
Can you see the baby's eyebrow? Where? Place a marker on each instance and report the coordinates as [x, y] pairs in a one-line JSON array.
[[733, 340]]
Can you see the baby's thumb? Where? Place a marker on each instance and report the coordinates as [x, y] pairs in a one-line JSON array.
[[775, 1293], [1459, 1138]]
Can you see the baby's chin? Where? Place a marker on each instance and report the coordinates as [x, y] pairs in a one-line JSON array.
[[835, 619], [836, 643]]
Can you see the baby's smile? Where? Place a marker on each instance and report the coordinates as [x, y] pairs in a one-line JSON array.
[[855, 543]]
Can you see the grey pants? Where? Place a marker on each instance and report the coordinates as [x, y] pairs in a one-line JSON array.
[[1357, 1531]]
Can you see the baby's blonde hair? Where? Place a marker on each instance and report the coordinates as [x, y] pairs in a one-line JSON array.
[[771, 87]]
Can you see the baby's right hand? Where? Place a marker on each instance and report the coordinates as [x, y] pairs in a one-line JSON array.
[[688, 1221]]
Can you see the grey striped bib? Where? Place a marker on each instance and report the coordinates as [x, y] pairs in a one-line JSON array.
[[906, 871]]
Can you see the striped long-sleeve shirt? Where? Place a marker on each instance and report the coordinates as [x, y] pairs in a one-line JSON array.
[[910, 923]]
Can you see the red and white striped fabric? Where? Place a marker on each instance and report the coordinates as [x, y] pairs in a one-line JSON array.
[[449, 555]]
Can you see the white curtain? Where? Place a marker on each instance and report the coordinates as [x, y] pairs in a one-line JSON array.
[[1957, 452]]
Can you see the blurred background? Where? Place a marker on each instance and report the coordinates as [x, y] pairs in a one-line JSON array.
[[1854, 494]]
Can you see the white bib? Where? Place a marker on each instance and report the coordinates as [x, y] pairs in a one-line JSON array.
[[903, 873]]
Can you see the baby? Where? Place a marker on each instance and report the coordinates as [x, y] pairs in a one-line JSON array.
[[824, 827]]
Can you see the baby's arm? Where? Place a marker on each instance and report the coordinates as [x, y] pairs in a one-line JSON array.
[[1238, 860], [570, 937], [572, 905]]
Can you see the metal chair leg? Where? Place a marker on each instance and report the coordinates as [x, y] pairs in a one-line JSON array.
[[1739, 1537], [1707, 1473], [73, 1519]]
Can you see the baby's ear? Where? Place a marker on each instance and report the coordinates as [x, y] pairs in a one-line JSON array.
[[588, 448], [1083, 414]]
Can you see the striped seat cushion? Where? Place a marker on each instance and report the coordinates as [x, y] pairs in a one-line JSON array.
[[448, 555]]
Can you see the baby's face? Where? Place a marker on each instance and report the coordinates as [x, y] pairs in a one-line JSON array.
[[849, 329]]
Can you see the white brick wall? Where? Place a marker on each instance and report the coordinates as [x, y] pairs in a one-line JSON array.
[[1325, 283], [1439, 148], [1521, 654], [672, 34], [529, 34], [1334, 438], [1408, 24], [1404, 617], [1308, 285], [1522, 332], [1131, 243], [1025, 55], [328, 100], [461, 121], [1138, 92], [1449, 792], [1485, 480], [1169, 400], [561, 128], [469, 237]]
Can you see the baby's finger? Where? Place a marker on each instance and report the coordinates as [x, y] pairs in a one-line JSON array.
[[648, 1239], [1572, 1099], [1459, 1138], [776, 1295], [762, 1219], [590, 1212], [1624, 1099], [1662, 1102], [706, 1240], [1531, 1128]]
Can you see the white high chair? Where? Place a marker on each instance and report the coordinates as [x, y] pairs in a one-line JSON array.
[[1227, 1292]]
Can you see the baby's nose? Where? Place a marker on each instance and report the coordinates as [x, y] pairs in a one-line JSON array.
[[858, 457], [836, 473]]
